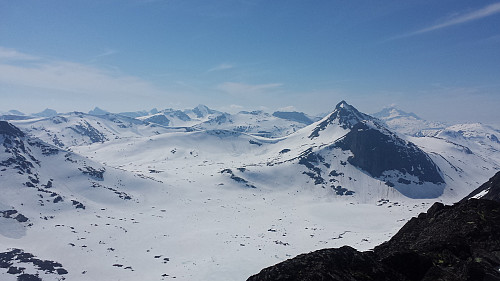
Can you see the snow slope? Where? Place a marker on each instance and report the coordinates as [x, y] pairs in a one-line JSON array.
[[76, 128], [407, 123], [215, 202], [189, 222]]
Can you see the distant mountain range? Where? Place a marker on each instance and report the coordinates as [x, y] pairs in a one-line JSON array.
[[416, 162]]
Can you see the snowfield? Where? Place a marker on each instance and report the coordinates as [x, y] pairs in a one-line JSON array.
[[117, 198]]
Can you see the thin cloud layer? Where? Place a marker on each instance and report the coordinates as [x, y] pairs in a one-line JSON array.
[[19, 69], [220, 67], [468, 17], [14, 55]]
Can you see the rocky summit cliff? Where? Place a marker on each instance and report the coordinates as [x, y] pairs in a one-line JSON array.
[[459, 242]]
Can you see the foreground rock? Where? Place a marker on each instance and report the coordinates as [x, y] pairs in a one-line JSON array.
[[459, 242]]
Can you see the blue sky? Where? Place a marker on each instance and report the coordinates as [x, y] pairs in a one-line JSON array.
[[440, 59]]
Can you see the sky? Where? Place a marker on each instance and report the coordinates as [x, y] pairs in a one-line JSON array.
[[439, 59]]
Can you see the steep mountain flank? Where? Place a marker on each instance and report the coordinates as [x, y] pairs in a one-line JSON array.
[[377, 150]]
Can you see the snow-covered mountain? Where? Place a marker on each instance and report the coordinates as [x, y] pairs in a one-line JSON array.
[[171, 117], [46, 113], [77, 128], [478, 137], [135, 114], [45, 193], [98, 111], [258, 123], [13, 115], [212, 195], [407, 123], [351, 153]]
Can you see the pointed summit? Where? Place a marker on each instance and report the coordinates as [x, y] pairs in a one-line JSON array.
[[344, 115], [342, 104]]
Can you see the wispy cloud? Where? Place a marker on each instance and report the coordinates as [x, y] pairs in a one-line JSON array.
[[19, 69], [220, 67], [459, 19], [107, 52], [242, 89], [14, 55]]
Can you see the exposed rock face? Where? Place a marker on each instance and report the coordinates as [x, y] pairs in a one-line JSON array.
[[345, 263], [376, 150], [7, 129], [459, 242], [488, 190]]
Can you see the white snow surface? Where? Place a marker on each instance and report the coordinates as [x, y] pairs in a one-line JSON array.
[[189, 217]]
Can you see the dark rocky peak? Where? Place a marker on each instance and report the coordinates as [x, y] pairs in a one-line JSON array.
[[348, 115], [344, 115], [459, 242], [10, 130], [294, 116], [489, 190], [377, 150]]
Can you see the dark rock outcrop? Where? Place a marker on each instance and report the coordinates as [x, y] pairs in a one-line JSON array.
[[344, 263], [376, 150], [459, 242], [27, 267], [8, 129], [381, 153]]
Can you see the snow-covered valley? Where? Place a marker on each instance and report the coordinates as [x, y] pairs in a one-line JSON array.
[[144, 200]]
